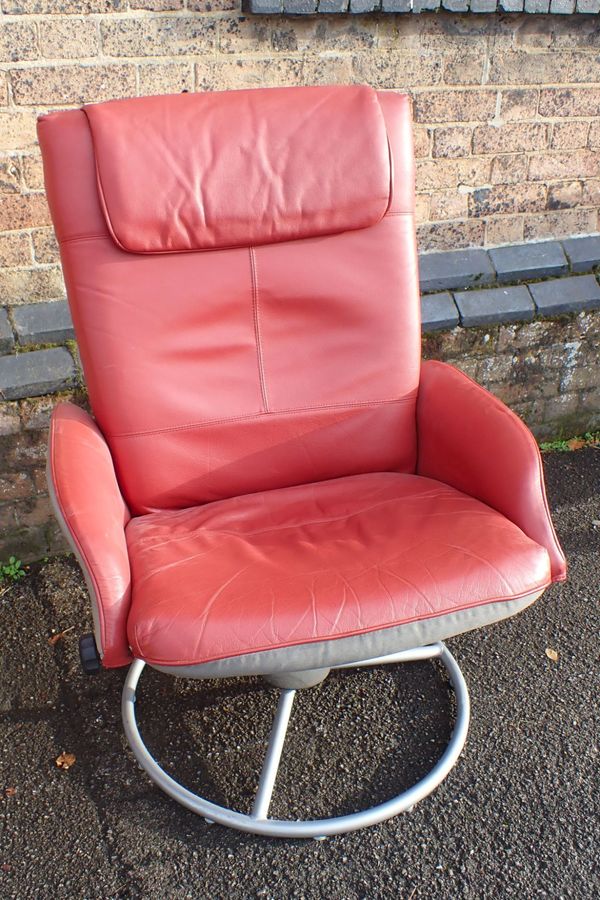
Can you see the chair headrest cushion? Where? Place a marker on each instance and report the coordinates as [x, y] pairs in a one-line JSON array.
[[239, 168]]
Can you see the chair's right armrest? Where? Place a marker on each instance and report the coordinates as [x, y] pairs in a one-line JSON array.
[[469, 439], [92, 514]]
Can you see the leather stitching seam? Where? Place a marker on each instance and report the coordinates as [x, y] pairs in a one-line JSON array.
[[259, 353], [367, 404]]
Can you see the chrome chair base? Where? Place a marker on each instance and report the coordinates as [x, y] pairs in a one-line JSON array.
[[258, 822]]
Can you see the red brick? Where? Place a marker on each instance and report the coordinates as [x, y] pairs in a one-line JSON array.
[[454, 106], [442, 174], [388, 70], [449, 205], [569, 135], [56, 85], [157, 5], [422, 141], [62, 7], [452, 141], [158, 36], [69, 38], [502, 199], [464, 67], [165, 78], [17, 129], [10, 175], [518, 67], [555, 166], [519, 104], [441, 235], [569, 102], [23, 211], [564, 195], [45, 247], [509, 138], [18, 42], [503, 230], [510, 169], [15, 249], [559, 223]]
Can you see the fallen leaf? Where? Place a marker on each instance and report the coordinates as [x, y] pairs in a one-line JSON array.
[[65, 760], [58, 637], [10, 792], [6, 867], [575, 444], [552, 654]]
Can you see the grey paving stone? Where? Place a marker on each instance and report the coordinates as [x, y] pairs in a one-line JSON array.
[[483, 6], [456, 5], [396, 6], [299, 7], [364, 6], [333, 6], [588, 6], [562, 7], [43, 323], [529, 261], [262, 7], [36, 373], [455, 269], [564, 295], [537, 6], [583, 252], [438, 311], [425, 5], [512, 5], [508, 304], [6, 336]]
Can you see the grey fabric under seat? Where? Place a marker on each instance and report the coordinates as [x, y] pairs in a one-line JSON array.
[[337, 652]]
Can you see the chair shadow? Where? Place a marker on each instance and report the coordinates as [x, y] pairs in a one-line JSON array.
[[357, 740]]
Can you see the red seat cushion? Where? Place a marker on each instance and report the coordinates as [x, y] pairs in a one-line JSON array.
[[303, 564]]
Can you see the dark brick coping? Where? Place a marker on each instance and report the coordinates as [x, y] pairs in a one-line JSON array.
[[460, 288], [356, 7]]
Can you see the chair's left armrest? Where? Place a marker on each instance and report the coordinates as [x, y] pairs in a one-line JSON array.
[[92, 514], [469, 439]]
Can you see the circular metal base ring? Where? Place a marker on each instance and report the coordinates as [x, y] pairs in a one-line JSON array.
[[315, 828]]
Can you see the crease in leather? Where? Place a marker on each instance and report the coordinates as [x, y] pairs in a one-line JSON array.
[[153, 660]]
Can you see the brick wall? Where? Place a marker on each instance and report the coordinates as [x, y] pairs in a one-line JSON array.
[[507, 107], [507, 128]]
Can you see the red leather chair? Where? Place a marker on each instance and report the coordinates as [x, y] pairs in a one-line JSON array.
[[272, 482]]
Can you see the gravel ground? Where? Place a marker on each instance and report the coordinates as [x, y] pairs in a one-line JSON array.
[[517, 817]]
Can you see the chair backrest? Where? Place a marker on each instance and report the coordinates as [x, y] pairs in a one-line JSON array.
[[242, 275]]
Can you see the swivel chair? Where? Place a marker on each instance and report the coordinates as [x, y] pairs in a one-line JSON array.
[[272, 483]]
